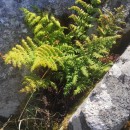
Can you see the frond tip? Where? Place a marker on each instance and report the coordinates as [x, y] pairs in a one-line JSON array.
[[21, 54]]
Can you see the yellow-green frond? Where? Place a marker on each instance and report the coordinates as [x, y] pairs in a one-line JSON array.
[[21, 54], [47, 56], [32, 83]]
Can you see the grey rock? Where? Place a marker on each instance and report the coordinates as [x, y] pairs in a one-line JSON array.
[[12, 29], [108, 105]]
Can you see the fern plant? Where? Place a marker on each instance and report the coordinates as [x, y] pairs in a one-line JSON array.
[[46, 28], [90, 48], [110, 23], [70, 62]]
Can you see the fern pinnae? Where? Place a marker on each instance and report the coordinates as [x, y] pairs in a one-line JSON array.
[[31, 43], [59, 61], [20, 48], [35, 21], [45, 19], [40, 35], [52, 64], [30, 17], [32, 83], [77, 90], [50, 27], [56, 22], [74, 17], [45, 57], [79, 11], [47, 48], [75, 79], [38, 28], [37, 41], [52, 50], [25, 46], [27, 14], [38, 63], [22, 59], [40, 52], [85, 5]]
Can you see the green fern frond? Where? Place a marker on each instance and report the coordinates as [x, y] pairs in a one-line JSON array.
[[110, 22], [21, 54], [46, 56], [32, 83]]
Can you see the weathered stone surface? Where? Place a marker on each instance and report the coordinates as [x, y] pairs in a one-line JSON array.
[[108, 105], [12, 29]]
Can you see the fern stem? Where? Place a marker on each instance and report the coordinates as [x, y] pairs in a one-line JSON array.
[[25, 106], [45, 73]]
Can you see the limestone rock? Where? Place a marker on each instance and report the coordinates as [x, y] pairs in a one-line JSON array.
[[108, 105], [12, 29]]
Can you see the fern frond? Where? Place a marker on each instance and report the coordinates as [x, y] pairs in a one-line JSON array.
[[46, 56], [21, 54], [32, 83], [15, 57], [110, 22]]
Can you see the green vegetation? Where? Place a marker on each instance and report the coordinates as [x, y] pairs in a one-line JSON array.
[[71, 61], [67, 63]]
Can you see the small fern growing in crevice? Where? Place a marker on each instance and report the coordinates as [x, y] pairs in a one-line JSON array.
[[70, 62], [110, 23]]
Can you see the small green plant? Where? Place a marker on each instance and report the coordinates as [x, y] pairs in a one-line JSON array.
[[110, 23], [69, 62]]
